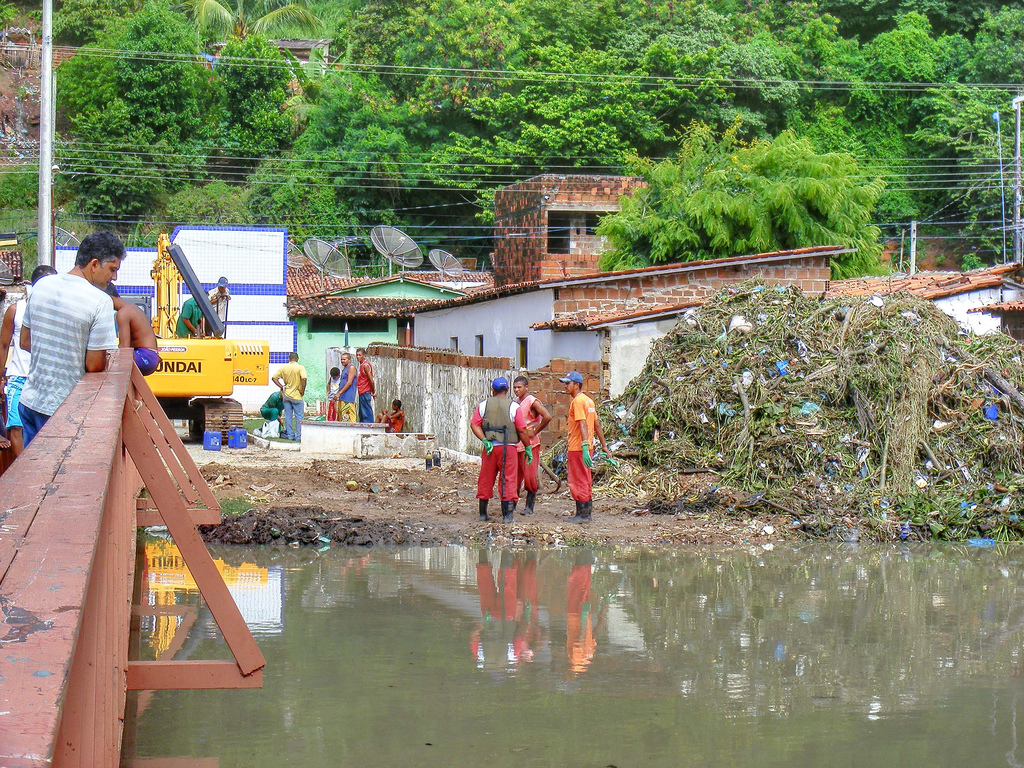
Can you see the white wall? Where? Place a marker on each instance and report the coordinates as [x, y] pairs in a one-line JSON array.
[[574, 345], [501, 321], [630, 346], [978, 322]]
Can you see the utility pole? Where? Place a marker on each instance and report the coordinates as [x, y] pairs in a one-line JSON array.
[[44, 238], [913, 249], [1002, 198], [1016, 182]]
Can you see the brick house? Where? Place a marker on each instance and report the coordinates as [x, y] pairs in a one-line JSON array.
[[545, 226], [609, 319]]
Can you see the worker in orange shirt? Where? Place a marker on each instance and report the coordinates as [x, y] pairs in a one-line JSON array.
[[581, 427]]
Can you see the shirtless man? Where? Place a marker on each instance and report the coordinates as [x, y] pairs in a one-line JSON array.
[[135, 331]]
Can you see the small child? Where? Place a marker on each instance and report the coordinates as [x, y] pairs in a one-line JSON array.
[[333, 393], [395, 418]]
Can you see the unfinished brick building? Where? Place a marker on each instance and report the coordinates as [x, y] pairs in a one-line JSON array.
[[545, 226]]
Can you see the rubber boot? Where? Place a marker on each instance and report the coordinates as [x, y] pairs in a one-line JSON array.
[[531, 498], [507, 508], [578, 517], [483, 510]]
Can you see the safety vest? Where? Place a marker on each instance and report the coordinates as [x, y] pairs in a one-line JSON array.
[[497, 424]]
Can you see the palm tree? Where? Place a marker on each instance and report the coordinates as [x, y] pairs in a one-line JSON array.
[[264, 17]]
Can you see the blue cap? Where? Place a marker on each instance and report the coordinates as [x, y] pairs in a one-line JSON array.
[[572, 376], [222, 283], [499, 383]]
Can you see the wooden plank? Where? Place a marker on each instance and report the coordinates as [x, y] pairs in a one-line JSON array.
[[189, 675], [190, 545], [200, 516], [145, 394], [167, 455]]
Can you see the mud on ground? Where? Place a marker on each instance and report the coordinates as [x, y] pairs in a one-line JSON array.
[[282, 498]]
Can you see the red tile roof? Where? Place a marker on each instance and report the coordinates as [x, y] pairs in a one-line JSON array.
[[308, 280], [582, 321], [1000, 309], [349, 306], [925, 285], [603, 277]]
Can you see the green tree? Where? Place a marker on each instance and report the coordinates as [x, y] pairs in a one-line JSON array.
[[241, 18], [255, 79], [213, 203], [722, 197]]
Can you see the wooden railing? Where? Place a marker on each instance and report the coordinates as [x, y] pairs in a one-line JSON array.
[[69, 508]]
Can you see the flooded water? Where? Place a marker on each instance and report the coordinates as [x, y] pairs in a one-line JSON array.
[[811, 656]]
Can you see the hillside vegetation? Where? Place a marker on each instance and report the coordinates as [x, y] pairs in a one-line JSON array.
[[839, 119]]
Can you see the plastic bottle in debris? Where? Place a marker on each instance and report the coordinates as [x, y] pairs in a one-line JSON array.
[[430, 459], [437, 457]]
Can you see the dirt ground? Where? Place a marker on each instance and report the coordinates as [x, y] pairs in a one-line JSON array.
[[281, 497]]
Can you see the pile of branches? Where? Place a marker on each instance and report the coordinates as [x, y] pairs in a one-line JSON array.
[[876, 407]]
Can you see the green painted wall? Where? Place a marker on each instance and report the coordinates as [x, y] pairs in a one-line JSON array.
[[312, 348], [400, 289]]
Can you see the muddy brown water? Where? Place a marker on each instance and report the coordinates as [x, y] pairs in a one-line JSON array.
[[818, 655]]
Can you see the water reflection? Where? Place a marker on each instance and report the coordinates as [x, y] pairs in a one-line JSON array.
[[881, 655]]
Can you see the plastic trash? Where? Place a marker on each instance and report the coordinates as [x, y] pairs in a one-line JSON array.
[[991, 411], [982, 543], [809, 408], [801, 348], [739, 324], [782, 366], [876, 301], [747, 378], [904, 531]]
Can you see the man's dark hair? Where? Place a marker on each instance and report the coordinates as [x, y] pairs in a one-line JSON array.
[[293, 357], [361, 350], [396, 404], [521, 380], [335, 372], [42, 271], [102, 246]]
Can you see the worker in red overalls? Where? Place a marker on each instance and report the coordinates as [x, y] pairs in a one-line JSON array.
[[499, 423], [537, 417]]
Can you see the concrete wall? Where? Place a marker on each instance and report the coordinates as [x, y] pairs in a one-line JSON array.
[[501, 321], [629, 349], [978, 322]]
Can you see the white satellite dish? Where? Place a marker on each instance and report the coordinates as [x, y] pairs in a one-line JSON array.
[[445, 263], [64, 239], [327, 258], [396, 246], [296, 258]]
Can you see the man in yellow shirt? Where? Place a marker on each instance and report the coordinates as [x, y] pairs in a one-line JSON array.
[[291, 380], [581, 427]]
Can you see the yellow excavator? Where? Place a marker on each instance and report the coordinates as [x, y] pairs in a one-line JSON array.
[[196, 377]]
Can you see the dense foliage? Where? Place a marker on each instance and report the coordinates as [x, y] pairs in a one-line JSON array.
[[852, 117]]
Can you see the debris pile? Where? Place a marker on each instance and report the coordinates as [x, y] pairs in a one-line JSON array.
[[875, 414]]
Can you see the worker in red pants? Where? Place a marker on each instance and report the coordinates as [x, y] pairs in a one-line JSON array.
[[499, 423], [581, 427], [537, 417]]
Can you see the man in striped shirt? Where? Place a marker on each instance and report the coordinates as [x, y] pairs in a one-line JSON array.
[[68, 328]]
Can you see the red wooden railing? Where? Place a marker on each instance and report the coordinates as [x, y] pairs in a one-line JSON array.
[[69, 508]]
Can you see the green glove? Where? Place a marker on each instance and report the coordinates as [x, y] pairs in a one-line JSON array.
[[586, 457], [529, 455], [602, 456], [488, 446]]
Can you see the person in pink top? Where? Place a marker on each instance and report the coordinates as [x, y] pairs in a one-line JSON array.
[[537, 417]]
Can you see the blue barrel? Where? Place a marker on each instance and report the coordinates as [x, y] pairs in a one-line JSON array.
[[237, 438], [211, 440]]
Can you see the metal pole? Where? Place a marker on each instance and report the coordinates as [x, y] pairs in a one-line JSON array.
[[913, 248], [1002, 196], [44, 238], [1016, 181]]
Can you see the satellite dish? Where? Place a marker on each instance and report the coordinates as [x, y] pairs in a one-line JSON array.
[[446, 264], [328, 259], [64, 239], [296, 258], [396, 246]]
